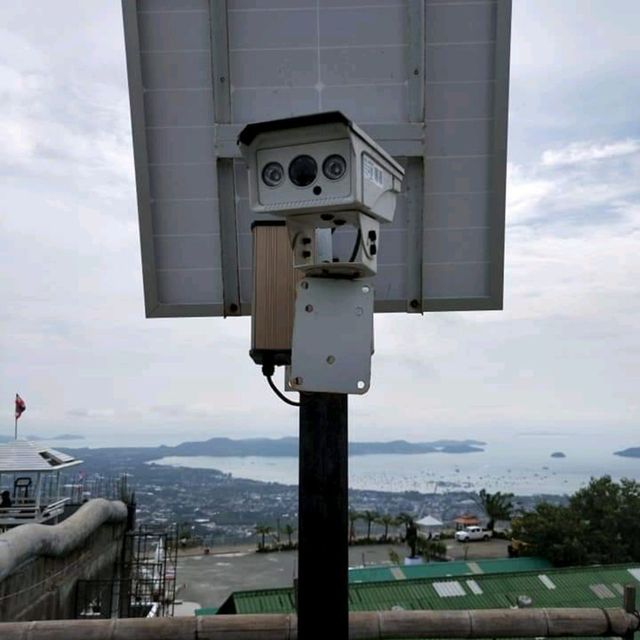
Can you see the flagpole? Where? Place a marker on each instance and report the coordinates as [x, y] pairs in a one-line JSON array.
[[20, 408]]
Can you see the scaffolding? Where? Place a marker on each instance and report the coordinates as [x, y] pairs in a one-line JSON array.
[[143, 583]]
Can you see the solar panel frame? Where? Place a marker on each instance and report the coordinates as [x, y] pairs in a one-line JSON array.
[[182, 110]]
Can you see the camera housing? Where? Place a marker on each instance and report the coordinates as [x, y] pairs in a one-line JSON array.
[[322, 174], [319, 163]]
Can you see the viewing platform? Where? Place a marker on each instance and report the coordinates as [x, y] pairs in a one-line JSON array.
[[30, 483]]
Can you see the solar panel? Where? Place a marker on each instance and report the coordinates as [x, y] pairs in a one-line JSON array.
[[449, 589], [428, 80], [474, 587], [635, 572], [546, 581], [602, 591]]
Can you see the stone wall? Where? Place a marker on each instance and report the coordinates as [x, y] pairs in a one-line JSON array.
[[41, 565]]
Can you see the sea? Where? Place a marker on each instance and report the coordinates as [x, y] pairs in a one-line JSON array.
[[521, 465]]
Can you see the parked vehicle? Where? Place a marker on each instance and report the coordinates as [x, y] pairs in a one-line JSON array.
[[471, 534]]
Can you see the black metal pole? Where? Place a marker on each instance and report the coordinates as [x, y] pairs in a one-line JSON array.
[[629, 604], [323, 519]]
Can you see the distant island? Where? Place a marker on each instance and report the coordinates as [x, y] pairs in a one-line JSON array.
[[34, 438], [404, 447], [631, 452], [558, 454], [288, 447]]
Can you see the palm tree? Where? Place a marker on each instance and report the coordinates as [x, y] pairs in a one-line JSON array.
[[370, 517], [288, 529], [386, 520], [263, 530], [354, 516], [497, 506]]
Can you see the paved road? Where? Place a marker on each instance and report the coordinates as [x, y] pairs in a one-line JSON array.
[[209, 580], [477, 550]]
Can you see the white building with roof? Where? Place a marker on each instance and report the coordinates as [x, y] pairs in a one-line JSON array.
[[30, 483]]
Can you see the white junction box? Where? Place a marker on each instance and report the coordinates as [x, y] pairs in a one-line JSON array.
[[332, 336]]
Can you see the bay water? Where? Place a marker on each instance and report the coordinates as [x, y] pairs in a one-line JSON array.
[[520, 464]]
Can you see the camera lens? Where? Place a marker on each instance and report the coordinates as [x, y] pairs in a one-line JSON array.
[[303, 171], [272, 174], [334, 167]]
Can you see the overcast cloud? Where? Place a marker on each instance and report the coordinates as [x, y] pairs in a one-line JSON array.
[[564, 354]]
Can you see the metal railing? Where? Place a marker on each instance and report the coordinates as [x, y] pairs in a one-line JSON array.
[[27, 510]]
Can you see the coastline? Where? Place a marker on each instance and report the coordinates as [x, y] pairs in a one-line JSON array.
[[522, 472]]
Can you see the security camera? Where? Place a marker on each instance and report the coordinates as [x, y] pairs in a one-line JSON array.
[[322, 173], [316, 165]]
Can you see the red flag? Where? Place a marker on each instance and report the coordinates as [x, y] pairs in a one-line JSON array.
[[21, 407]]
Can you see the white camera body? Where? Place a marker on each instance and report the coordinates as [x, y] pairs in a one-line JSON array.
[[317, 166]]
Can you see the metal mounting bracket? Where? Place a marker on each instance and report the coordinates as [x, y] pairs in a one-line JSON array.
[[312, 245], [332, 336]]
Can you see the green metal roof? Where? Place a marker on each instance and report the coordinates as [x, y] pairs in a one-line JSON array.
[[594, 586], [443, 569]]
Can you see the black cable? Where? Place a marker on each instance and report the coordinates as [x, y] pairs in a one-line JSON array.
[[354, 253], [279, 393]]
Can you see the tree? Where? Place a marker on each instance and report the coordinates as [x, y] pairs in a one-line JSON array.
[[609, 515], [354, 516], [599, 525], [497, 506], [184, 533], [629, 517], [289, 531], [263, 530], [386, 520], [370, 517], [430, 549], [394, 557], [552, 531]]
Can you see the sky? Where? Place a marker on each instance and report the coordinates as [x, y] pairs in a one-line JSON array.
[[562, 357]]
